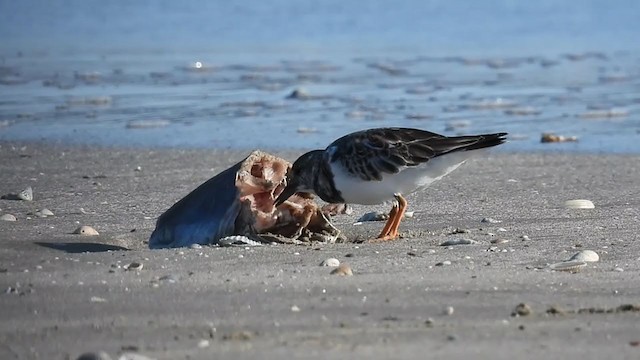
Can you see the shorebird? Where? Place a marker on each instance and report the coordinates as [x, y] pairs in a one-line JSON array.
[[379, 165]]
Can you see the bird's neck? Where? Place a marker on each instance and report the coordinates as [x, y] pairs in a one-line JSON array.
[[324, 185]]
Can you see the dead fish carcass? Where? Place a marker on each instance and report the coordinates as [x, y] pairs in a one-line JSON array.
[[240, 201]]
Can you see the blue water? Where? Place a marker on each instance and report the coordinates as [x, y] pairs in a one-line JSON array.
[[123, 72]]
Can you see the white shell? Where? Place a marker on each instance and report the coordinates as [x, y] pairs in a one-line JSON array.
[[331, 262], [237, 240], [86, 230], [459, 242], [8, 217], [26, 194], [570, 266], [586, 256], [579, 204]]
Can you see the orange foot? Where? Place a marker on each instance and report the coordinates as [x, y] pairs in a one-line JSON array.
[[390, 229]]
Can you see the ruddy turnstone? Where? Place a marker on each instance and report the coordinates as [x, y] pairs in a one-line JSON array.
[[378, 165]]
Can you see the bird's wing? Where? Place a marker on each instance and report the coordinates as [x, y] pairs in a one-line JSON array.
[[371, 153]]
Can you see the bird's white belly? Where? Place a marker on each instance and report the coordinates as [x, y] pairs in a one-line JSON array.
[[354, 190]]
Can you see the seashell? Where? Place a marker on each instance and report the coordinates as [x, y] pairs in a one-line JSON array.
[[133, 266], [8, 217], [239, 201], [237, 240], [342, 270], [586, 256], [451, 242], [569, 266], [86, 230], [331, 262], [579, 204], [46, 212], [26, 194], [374, 216]]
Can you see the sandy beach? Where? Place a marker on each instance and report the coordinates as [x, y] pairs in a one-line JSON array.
[[66, 294]]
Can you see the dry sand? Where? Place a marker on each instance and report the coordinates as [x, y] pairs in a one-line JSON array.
[[66, 294]]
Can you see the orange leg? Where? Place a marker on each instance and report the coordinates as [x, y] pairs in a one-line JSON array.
[[389, 224], [390, 230]]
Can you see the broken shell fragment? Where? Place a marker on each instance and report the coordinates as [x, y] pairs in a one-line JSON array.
[[586, 256], [579, 204], [342, 270], [86, 230], [331, 262], [569, 266], [240, 201]]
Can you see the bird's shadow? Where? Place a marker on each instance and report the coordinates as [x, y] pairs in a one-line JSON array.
[[82, 247]]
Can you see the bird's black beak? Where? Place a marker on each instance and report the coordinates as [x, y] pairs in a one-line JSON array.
[[285, 194]]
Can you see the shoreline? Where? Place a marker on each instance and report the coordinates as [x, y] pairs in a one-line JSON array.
[[65, 295]]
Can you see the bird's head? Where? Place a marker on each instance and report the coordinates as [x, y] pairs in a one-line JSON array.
[[301, 176]]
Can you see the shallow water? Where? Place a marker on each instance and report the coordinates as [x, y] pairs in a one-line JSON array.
[[128, 74]]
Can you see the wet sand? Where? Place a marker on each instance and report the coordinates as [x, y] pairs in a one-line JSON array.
[[66, 294]]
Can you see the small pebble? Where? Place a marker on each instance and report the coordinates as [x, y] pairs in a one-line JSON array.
[[446, 262], [8, 217], [618, 269], [86, 231], [331, 262], [521, 309], [579, 204], [295, 308], [195, 246], [586, 256], [450, 242], [342, 270], [525, 238], [429, 322]]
